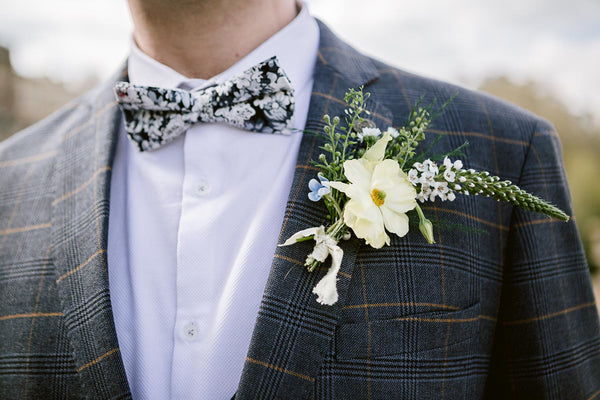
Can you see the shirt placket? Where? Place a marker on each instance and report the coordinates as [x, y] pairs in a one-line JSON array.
[[196, 263]]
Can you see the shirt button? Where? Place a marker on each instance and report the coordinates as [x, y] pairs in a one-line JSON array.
[[190, 332], [203, 188]]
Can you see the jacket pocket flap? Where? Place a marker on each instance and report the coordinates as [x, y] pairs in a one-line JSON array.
[[406, 334]]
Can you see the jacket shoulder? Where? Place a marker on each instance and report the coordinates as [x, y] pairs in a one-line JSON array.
[[48, 133], [499, 134], [477, 111], [28, 162]]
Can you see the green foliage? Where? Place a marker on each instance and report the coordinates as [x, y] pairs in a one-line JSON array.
[[482, 183], [340, 139], [403, 149]]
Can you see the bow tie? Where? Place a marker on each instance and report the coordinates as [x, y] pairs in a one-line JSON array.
[[260, 99]]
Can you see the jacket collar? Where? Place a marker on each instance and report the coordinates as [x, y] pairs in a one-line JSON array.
[[293, 332]]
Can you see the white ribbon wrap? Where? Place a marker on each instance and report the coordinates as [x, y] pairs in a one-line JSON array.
[[325, 245]]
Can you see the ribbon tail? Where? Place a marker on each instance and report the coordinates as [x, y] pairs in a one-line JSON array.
[[326, 289]]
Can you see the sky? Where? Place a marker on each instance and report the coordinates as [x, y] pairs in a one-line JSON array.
[[555, 43]]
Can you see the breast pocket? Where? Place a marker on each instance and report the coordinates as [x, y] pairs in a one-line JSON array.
[[407, 334]]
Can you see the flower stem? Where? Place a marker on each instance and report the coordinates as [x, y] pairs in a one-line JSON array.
[[334, 204]]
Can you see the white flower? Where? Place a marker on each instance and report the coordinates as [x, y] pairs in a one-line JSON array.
[[447, 163], [393, 132], [449, 175], [441, 187], [371, 132], [420, 167], [428, 177], [413, 177], [431, 166], [380, 195], [374, 132], [434, 193], [423, 195]]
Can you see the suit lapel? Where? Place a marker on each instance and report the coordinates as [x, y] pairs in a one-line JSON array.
[[80, 226], [293, 331]]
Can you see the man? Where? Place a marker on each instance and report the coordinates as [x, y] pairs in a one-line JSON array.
[[185, 237]]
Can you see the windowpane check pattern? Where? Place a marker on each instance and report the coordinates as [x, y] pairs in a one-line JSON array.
[[500, 307]]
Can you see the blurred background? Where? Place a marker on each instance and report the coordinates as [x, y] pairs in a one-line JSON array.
[[541, 54]]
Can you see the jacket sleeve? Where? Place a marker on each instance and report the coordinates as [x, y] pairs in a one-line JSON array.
[[547, 340]]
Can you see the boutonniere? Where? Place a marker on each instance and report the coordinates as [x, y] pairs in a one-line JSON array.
[[369, 180]]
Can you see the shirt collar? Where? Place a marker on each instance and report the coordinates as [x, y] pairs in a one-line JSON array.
[[295, 46]]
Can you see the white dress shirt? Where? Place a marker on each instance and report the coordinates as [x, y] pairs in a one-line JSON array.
[[193, 228]]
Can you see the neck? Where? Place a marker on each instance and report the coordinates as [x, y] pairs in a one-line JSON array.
[[201, 38]]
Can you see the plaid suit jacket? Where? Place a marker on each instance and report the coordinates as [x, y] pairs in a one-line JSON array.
[[502, 309]]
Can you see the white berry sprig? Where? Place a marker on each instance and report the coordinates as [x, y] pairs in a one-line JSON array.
[[450, 178]]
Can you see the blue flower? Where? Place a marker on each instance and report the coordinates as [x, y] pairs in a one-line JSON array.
[[318, 189]]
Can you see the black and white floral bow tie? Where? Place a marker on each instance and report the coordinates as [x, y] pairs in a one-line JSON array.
[[261, 99]]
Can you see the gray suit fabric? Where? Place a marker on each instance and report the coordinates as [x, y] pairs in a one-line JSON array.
[[500, 307]]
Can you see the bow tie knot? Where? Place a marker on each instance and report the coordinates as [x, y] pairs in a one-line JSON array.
[[259, 100]]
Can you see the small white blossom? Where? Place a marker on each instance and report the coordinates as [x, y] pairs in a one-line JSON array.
[[442, 187], [431, 166], [456, 165], [424, 194], [420, 167], [447, 163], [449, 175], [428, 177], [374, 132], [413, 177], [393, 132]]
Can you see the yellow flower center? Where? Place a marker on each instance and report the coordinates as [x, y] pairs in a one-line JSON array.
[[378, 197]]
